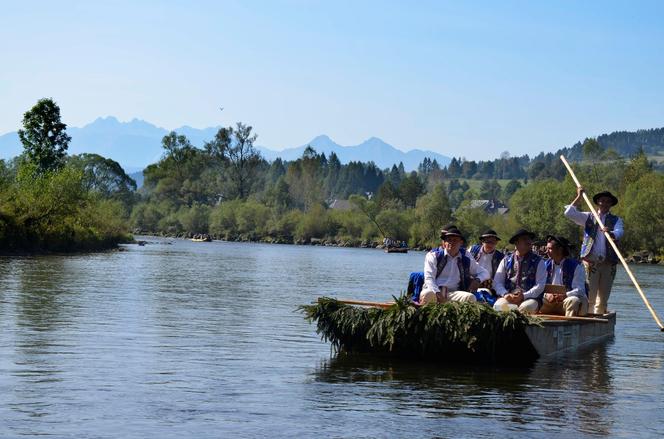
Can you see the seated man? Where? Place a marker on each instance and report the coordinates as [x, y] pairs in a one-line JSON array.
[[568, 272], [486, 254], [448, 273], [520, 277]]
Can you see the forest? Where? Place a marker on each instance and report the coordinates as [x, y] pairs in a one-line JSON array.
[[50, 201]]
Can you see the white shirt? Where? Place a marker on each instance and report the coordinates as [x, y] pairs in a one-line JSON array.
[[486, 260], [578, 281], [533, 293], [450, 276], [599, 246]]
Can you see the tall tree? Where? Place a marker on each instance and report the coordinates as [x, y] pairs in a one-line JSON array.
[[243, 158], [44, 136]]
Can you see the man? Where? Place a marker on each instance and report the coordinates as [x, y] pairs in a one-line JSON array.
[[520, 277], [598, 256], [567, 272], [448, 273], [486, 254]]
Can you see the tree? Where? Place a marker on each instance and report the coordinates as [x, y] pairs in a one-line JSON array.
[[177, 148], [44, 136], [104, 176], [243, 158], [490, 189], [510, 189]]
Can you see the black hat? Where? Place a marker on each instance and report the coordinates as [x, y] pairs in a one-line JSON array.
[[453, 231], [562, 242], [489, 234], [614, 199], [519, 233], [445, 228]]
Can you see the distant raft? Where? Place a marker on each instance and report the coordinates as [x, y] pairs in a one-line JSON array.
[[453, 331]]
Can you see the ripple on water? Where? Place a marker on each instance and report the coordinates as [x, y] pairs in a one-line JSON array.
[[198, 340]]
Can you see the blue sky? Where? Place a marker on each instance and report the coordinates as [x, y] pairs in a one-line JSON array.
[[468, 79]]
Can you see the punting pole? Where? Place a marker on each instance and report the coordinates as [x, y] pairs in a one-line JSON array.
[[366, 303], [613, 244]]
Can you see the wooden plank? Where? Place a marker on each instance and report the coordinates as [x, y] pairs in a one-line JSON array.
[[366, 303], [572, 319]]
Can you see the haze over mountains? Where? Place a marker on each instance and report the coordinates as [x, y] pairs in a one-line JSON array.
[[137, 143]]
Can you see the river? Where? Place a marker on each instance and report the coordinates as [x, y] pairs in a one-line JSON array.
[[180, 339]]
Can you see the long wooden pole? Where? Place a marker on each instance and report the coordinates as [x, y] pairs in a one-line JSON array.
[[366, 303], [613, 244]]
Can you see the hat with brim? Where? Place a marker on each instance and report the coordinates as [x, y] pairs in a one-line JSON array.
[[489, 234], [445, 228], [614, 199], [519, 233], [453, 231], [562, 242]]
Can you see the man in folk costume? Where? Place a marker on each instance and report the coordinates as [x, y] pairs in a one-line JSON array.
[[448, 273], [520, 277], [486, 254], [572, 299], [599, 258]]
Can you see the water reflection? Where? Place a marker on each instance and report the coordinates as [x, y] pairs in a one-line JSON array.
[[572, 392]]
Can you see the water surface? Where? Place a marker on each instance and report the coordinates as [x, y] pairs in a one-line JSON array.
[[182, 339]]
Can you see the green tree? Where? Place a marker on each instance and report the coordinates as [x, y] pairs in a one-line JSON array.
[[243, 159], [490, 190], [44, 136], [511, 187], [432, 212], [644, 214], [105, 177]]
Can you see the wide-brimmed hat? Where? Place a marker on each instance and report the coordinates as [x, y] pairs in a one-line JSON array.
[[562, 242], [445, 228], [519, 233], [453, 231], [614, 199], [489, 234]]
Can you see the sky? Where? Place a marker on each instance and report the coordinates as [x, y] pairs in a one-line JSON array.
[[466, 79]]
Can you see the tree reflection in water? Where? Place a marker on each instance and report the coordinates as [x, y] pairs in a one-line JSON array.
[[571, 393]]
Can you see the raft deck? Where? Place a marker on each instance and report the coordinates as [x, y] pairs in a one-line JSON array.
[[559, 336]]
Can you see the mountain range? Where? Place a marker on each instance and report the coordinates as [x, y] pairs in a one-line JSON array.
[[137, 143]]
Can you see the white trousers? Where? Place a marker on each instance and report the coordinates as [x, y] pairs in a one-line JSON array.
[[429, 296], [600, 277], [528, 306]]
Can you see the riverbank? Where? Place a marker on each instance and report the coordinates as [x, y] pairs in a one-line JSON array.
[[71, 247], [640, 257]]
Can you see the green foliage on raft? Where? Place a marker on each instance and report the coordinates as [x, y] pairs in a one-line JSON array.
[[452, 331]]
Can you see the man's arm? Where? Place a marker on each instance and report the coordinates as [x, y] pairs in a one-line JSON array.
[[499, 279], [578, 282], [540, 283], [430, 271], [477, 271], [577, 217], [618, 231]]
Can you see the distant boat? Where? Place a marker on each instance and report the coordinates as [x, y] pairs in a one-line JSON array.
[[203, 238], [396, 250]]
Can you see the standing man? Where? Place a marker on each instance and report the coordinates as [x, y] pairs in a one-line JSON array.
[[448, 273], [520, 277], [598, 256], [567, 272]]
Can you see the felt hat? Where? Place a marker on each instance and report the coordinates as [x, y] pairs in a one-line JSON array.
[[519, 233], [562, 242], [489, 234], [453, 231], [445, 228], [597, 196]]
